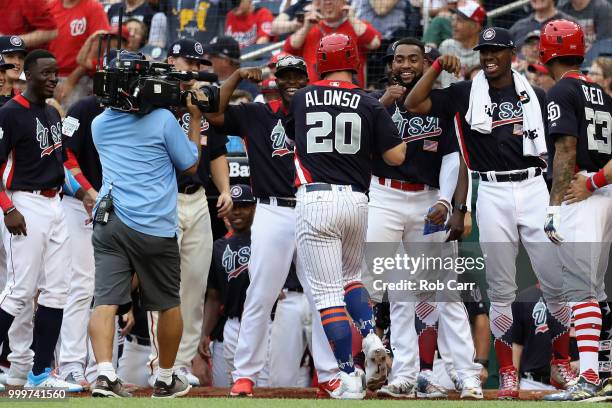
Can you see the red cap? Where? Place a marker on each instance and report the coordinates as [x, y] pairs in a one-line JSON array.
[[533, 68], [473, 11], [269, 85], [561, 38]]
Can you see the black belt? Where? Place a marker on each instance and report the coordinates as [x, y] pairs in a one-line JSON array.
[[190, 189], [281, 202], [138, 340], [298, 290], [329, 187], [517, 176]]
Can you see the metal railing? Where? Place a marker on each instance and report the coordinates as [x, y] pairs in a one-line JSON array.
[[500, 11]]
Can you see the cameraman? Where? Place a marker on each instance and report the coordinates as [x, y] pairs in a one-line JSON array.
[[194, 227], [136, 231]]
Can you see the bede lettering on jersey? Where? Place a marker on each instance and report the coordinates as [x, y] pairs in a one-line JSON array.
[[333, 97], [593, 95]]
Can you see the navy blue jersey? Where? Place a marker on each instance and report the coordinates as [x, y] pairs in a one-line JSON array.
[[229, 272], [502, 150], [212, 146], [580, 108], [428, 138], [337, 128], [76, 129], [262, 126], [31, 153]]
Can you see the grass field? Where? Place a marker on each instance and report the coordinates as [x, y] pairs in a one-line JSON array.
[[269, 403]]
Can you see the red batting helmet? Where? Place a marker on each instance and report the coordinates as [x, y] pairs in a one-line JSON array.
[[561, 38], [337, 52]]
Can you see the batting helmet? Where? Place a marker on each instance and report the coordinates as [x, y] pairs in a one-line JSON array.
[[561, 38], [337, 52]]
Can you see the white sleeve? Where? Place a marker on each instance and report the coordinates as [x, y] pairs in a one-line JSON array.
[[449, 174], [468, 199]]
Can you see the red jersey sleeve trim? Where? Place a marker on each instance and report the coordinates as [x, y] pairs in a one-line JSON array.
[[71, 162], [581, 77], [22, 101]]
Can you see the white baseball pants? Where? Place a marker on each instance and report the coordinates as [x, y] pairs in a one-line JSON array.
[[221, 373], [231, 335], [273, 248], [132, 365], [73, 337], [195, 244]]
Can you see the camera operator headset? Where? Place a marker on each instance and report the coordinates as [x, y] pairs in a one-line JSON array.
[[135, 222], [194, 233]]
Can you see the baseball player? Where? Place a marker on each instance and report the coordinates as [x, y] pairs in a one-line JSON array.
[[84, 164], [195, 232], [500, 124], [337, 127], [34, 233], [273, 232], [580, 124], [228, 279], [400, 198], [21, 356]]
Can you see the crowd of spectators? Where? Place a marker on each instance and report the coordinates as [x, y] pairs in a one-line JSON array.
[[71, 29]]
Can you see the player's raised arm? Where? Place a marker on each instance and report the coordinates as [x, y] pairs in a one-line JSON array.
[[418, 100], [228, 87]]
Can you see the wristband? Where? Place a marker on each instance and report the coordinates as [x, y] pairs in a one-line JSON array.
[[596, 181], [437, 66], [445, 204], [5, 202], [82, 180]]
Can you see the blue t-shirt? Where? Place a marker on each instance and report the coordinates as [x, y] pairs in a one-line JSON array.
[[139, 155]]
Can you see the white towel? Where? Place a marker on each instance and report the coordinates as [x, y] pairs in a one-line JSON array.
[[479, 119]]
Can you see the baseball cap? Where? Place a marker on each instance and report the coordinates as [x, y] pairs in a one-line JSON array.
[[472, 11], [188, 48], [274, 58], [241, 193], [535, 34], [269, 85], [12, 43], [390, 54], [539, 68], [431, 53], [224, 46], [494, 37], [290, 62], [4, 66]]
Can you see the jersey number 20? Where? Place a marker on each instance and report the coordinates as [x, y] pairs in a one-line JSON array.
[[317, 140], [599, 142]]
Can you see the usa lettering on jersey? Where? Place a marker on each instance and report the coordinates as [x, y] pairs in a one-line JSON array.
[[416, 128], [507, 112], [42, 135], [235, 262]]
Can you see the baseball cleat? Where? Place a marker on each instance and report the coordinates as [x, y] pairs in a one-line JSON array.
[[375, 361], [191, 379], [243, 387], [398, 388], [47, 379], [351, 386], [456, 380], [107, 388], [77, 378], [427, 388], [472, 389], [562, 375], [508, 383], [605, 393], [177, 388], [325, 388], [583, 390]]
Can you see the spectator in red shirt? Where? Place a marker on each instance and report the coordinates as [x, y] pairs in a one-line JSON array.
[[248, 24], [76, 20], [332, 16], [88, 55], [29, 19]]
